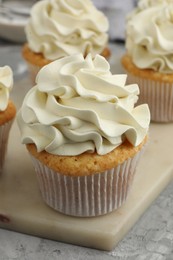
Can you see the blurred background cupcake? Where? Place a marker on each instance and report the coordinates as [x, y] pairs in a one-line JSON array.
[[7, 110], [59, 28], [148, 59], [84, 134]]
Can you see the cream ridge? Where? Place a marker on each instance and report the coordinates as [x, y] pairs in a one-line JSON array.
[[6, 84], [142, 4], [149, 38], [58, 28], [78, 105]]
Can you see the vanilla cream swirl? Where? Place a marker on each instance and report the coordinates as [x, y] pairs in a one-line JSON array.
[[149, 38], [142, 4], [58, 28], [78, 106], [6, 84]]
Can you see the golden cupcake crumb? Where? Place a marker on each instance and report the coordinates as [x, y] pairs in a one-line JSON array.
[[39, 60], [8, 114], [145, 73], [34, 58], [87, 163]]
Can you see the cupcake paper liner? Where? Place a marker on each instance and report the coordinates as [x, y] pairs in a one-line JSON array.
[[86, 196], [4, 134], [33, 70], [158, 95]]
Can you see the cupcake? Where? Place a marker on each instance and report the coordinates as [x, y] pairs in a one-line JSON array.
[[60, 28], [7, 110], [148, 58], [84, 134]]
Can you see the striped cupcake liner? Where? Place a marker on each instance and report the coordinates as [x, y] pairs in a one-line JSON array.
[[158, 95], [33, 71], [4, 134], [86, 196]]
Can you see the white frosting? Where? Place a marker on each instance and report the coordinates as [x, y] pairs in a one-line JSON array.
[[78, 106], [6, 84], [58, 28], [149, 37], [143, 4]]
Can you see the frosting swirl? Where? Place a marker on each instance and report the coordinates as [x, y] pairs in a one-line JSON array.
[[78, 106], [143, 4], [149, 38], [58, 28], [6, 84]]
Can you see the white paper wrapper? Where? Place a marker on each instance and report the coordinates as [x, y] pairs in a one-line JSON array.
[[158, 95], [86, 196], [33, 70], [4, 134]]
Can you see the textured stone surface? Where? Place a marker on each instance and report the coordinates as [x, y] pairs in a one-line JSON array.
[[152, 237]]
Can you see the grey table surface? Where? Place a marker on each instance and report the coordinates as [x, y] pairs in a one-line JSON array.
[[150, 239]]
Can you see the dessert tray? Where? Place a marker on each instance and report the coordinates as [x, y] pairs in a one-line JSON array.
[[22, 208]]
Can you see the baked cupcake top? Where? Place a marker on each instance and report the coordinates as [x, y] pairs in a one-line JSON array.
[[149, 37], [58, 28], [6, 84], [78, 105]]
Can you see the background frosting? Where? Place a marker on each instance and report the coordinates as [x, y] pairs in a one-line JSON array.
[[149, 37], [142, 4], [6, 84], [58, 28], [77, 105]]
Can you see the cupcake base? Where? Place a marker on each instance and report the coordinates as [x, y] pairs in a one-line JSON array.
[[87, 195], [6, 120], [156, 90], [4, 134]]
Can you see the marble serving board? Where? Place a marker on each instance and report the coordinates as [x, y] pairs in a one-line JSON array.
[[22, 208]]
